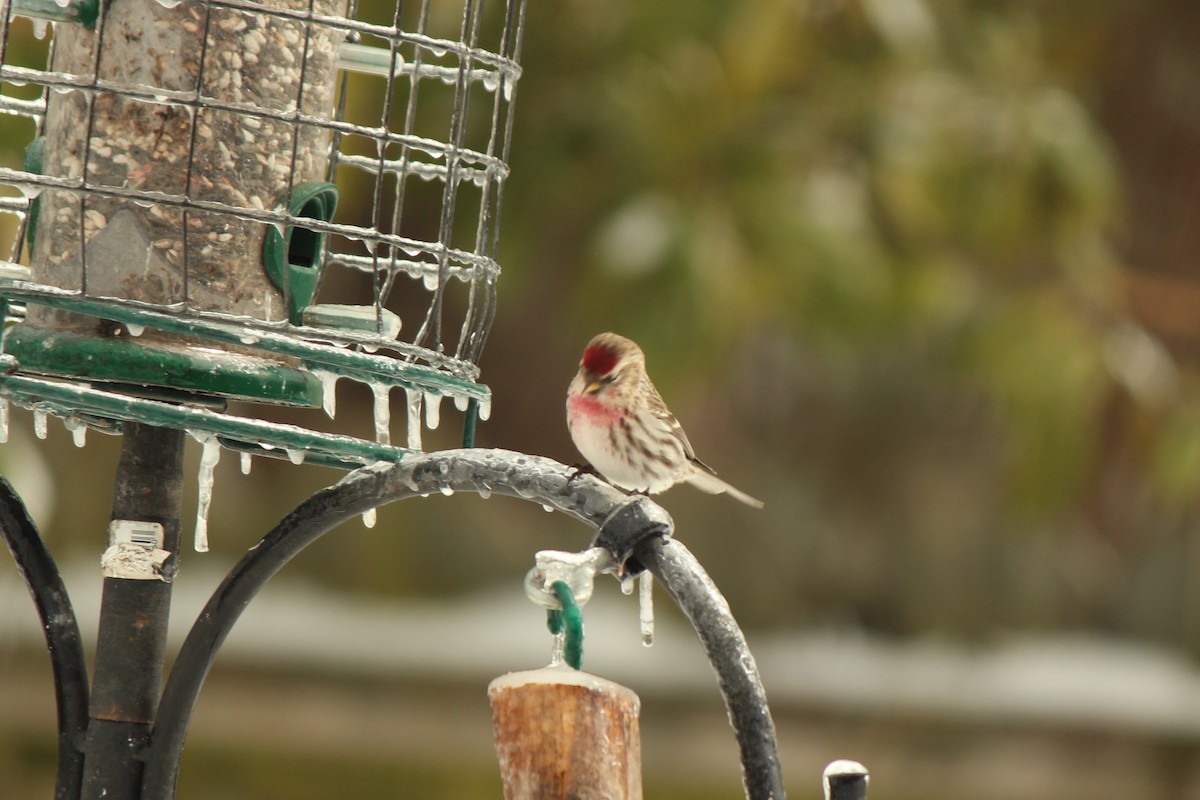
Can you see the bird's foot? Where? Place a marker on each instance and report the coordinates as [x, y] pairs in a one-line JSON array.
[[581, 469]]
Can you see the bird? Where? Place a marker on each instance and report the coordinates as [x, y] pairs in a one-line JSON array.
[[620, 424]]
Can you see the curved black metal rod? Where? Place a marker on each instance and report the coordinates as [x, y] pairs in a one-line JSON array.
[[62, 636], [745, 698], [631, 521]]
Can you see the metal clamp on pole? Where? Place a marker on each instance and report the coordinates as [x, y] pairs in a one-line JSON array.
[[630, 523]]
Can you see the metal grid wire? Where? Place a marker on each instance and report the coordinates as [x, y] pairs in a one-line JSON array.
[[173, 144], [189, 165]]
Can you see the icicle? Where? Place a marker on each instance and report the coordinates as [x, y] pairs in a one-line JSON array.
[[433, 406], [296, 456], [27, 190], [547, 508], [414, 418], [78, 432], [646, 607], [485, 408], [461, 401], [209, 457], [135, 330], [627, 584], [447, 490], [368, 518], [3, 420], [40, 424], [557, 650], [328, 391], [383, 413], [247, 462]]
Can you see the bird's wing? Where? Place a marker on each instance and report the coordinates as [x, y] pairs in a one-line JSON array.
[[704, 477], [658, 409]]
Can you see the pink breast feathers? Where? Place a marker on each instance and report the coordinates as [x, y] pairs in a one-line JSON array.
[[590, 409]]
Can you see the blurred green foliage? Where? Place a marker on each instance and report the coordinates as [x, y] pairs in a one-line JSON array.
[[853, 176]]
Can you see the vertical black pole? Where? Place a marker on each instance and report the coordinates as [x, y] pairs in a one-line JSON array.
[[131, 644]]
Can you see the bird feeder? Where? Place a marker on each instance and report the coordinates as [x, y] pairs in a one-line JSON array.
[[198, 174]]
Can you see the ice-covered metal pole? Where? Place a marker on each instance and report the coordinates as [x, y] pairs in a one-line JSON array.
[[627, 524], [132, 638], [745, 698], [845, 780], [636, 533]]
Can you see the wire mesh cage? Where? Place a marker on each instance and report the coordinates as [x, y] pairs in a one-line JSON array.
[[232, 199]]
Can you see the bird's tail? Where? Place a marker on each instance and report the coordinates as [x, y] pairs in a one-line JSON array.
[[704, 479]]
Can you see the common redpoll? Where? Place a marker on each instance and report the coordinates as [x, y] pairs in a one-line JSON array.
[[623, 428]]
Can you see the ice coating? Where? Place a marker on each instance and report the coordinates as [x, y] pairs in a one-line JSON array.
[[328, 391], [414, 418], [564, 675], [40, 424], [558, 650], [383, 413], [842, 768], [646, 607], [3, 420], [433, 406], [209, 456]]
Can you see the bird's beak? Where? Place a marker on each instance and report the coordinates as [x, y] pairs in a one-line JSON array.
[[593, 387]]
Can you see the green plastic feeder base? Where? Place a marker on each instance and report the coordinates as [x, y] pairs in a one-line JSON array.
[[193, 368]]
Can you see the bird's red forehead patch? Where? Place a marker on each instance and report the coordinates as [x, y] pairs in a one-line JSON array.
[[599, 358]]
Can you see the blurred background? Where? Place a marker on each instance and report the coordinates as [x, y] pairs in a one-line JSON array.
[[921, 275]]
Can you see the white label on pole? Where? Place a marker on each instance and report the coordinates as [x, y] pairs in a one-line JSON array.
[[134, 531], [134, 551]]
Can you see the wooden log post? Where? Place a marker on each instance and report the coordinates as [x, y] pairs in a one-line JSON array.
[[561, 733]]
